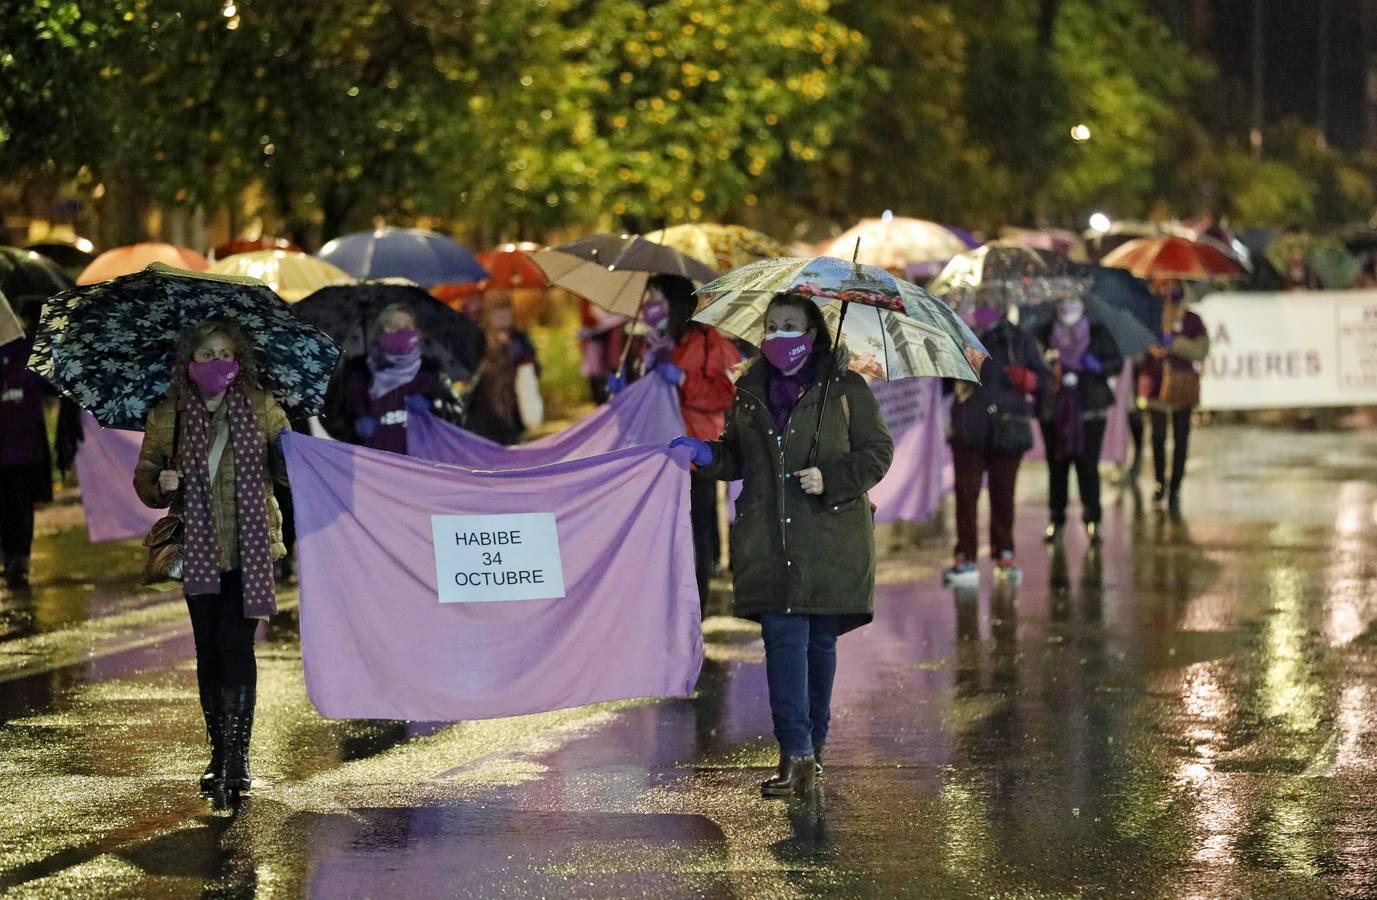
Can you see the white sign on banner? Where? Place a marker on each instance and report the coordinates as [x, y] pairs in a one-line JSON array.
[[1295, 350], [482, 559]]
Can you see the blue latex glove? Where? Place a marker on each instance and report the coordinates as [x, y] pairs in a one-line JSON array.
[[702, 453], [1168, 339], [615, 384], [418, 403], [1091, 364], [365, 426], [671, 373]]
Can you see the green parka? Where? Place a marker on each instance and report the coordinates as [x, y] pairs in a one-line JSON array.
[[794, 552]]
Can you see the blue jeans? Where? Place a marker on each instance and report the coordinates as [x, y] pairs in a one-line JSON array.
[[800, 664]]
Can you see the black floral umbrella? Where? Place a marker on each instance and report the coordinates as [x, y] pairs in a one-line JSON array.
[[108, 346], [346, 312]]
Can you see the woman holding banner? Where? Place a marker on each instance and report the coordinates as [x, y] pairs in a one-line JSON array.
[[803, 549], [1169, 389], [697, 360], [391, 381], [208, 450]]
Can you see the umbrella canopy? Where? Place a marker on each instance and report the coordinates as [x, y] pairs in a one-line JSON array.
[[893, 328], [1129, 335], [72, 257], [1176, 257], [611, 270], [135, 257], [10, 329], [346, 312], [28, 278], [720, 247], [897, 243], [509, 267], [1004, 271], [109, 346], [1057, 240], [292, 275], [1123, 290], [415, 254], [1326, 257], [234, 248]]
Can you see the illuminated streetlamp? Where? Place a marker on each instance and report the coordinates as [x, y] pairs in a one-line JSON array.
[[1080, 133], [1099, 222]]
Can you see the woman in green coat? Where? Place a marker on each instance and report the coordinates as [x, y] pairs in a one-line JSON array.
[[803, 548]]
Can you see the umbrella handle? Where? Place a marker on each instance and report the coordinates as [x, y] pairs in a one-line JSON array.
[[826, 389], [626, 348]]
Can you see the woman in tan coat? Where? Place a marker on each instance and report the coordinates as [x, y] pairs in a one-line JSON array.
[[209, 452]]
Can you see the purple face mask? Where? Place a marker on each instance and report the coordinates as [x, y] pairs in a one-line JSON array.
[[787, 349], [986, 317], [399, 342], [655, 312], [214, 376]]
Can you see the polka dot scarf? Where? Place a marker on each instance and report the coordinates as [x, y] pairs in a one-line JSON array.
[[200, 548]]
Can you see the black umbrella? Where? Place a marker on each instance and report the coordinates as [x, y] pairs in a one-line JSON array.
[[108, 346], [71, 258], [346, 312], [28, 278], [1129, 335], [1120, 288]]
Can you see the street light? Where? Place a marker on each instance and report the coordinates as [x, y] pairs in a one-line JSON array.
[[1099, 222], [1080, 133]]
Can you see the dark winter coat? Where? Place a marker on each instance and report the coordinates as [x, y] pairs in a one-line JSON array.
[[973, 419], [1096, 395], [792, 552], [24, 454], [348, 401]]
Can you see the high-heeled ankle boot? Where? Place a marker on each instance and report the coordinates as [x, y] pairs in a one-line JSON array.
[[817, 760], [796, 776], [239, 705], [214, 712]]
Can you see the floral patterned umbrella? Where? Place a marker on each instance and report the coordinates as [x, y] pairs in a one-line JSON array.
[[721, 247], [108, 346]]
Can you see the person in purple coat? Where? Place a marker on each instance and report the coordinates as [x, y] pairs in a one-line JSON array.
[[25, 464], [388, 384]]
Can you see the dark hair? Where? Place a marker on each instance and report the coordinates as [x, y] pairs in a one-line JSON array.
[[191, 338], [683, 302], [822, 340]]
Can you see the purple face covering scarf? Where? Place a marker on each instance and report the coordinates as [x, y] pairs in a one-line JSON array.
[[784, 391], [391, 371], [201, 547], [1071, 343]]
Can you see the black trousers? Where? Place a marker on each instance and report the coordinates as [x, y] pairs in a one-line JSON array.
[[17, 498], [1087, 465], [1180, 438], [703, 515], [224, 638]]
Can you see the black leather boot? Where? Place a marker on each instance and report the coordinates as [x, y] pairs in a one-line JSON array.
[[239, 704], [214, 711], [796, 776], [817, 760]]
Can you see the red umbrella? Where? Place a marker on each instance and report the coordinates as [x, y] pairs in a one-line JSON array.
[[130, 259], [509, 267], [1176, 257]]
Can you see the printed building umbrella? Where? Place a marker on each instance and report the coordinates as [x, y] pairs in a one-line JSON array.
[[899, 244], [108, 346], [28, 278], [291, 275], [611, 270], [346, 312], [897, 329], [1175, 257], [415, 254], [721, 247], [135, 257]]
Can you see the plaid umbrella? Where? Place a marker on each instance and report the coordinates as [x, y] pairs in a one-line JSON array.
[[346, 312], [108, 346]]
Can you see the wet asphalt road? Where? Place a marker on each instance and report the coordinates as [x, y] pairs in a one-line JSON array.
[[1188, 713]]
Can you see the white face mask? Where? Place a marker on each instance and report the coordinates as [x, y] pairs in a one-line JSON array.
[[1070, 316]]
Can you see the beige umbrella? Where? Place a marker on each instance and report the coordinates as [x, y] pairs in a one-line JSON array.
[[291, 274]]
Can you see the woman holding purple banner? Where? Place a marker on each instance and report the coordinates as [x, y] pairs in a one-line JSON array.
[[803, 549], [390, 382]]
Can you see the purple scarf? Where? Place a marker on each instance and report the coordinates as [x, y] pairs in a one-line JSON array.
[[1071, 342], [391, 371], [782, 392]]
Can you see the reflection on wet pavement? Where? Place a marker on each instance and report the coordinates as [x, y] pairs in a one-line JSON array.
[[1187, 711]]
